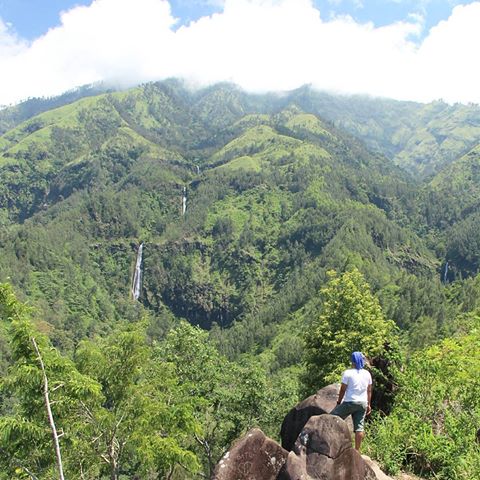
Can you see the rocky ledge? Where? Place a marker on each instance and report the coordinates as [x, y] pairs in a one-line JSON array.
[[315, 445]]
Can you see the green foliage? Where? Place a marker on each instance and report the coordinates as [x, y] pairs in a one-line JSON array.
[[108, 172], [277, 195], [146, 416], [118, 408], [433, 426], [232, 398], [25, 436], [351, 319]]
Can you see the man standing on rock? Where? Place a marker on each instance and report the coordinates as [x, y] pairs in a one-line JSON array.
[[356, 393]]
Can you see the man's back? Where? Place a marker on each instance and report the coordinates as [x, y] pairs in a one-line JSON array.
[[357, 382]]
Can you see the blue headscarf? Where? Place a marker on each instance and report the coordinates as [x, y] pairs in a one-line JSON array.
[[358, 360]]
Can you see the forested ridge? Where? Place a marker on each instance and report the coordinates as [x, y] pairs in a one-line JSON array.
[[295, 204]]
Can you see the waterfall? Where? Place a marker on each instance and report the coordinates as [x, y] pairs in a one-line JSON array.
[[445, 273], [137, 276], [184, 201], [198, 170]]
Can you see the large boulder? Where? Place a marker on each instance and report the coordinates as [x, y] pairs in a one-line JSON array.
[[252, 457], [323, 451], [379, 475], [324, 401]]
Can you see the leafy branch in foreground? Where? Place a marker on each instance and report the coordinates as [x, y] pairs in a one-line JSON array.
[[117, 411], [40, 380]]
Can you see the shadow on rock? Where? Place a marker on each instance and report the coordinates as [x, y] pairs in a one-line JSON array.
[[324, 451], [324, 401], [320, 448]]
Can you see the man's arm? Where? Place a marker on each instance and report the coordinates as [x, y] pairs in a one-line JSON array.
[[341, 393], [369, 397]]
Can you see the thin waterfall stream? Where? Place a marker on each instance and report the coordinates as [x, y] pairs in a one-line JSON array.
[[137, 275]]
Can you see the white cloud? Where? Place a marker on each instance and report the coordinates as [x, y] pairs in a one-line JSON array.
[[259, 44], [448, 57], [10, 45]]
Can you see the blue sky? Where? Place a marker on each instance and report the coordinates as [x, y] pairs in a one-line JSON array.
[[32, 18], [403, 49]]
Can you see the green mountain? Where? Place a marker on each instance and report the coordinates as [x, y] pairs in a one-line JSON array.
[[273, 199], [12, 116], [276, 196], [420, 138], [244, 204], [451, 208]]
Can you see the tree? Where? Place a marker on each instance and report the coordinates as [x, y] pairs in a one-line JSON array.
[[230, 397], [350, 319], [45, 396], [146, 420], [120, 409], [433, 425]]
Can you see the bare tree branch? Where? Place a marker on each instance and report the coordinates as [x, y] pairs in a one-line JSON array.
[[46, 397]]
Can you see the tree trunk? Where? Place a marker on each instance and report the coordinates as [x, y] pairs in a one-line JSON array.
[[46, 397], [113, 461]]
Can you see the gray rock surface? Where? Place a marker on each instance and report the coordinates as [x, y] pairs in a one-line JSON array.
[[379, 475], [252, 457], [320, 448], [323, 451], [324, 401]]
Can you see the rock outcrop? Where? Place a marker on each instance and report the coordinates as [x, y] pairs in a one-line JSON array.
[[252, 457], [324, 401], [317, 446], [324, 451], [379, 475]]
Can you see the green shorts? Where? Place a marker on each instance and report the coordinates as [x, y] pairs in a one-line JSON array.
[[357, 410]]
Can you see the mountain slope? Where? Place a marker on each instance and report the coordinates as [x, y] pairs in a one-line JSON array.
[[273, 200], [452, 208], [421, 138], [243, 204], [10, 117]]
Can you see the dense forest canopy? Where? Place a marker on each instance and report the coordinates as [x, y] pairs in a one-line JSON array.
[[253, 211]]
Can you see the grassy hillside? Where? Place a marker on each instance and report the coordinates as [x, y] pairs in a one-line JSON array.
[[273, 201], [277, 196], [421, 138], [10, 117]]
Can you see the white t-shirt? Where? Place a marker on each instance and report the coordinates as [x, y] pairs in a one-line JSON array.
[[357, 382]]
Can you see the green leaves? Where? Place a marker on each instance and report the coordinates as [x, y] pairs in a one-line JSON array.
[[229, 397], [24, 427], [436, 415], [281, 198], [15, 429], [350, 319], [119, 407], [146, 416]]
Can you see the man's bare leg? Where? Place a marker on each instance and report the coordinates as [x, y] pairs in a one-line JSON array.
[[358, 440]]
